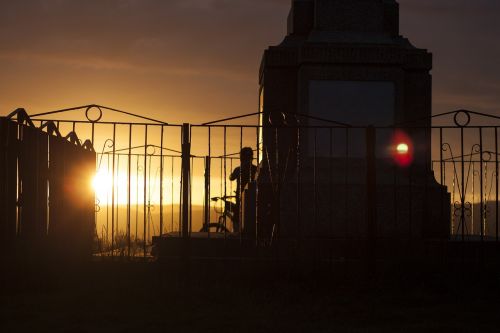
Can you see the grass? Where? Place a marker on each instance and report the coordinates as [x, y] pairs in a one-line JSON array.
[[141, 298]]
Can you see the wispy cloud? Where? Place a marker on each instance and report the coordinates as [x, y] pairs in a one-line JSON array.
[[217, 45], [96, 63]]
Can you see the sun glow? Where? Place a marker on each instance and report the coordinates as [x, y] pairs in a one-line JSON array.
[[104, 182], [101, 182], [117, 189], [402, 148]]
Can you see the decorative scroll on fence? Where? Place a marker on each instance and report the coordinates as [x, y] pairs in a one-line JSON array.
[[47, 202]]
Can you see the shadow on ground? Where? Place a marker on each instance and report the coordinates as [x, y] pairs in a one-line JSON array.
[[147, 297]]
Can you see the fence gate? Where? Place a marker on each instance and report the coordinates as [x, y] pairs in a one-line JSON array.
[[47, 203]]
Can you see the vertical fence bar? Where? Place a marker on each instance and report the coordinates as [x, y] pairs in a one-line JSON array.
[[117, 199], [442, 179], [462, 192], [346, 183], [371, 198], [481, 184], [473, 197], [231, 186], [161, 181], [180, 201], [207, 196], [186, 156], [172, 195], [410, 201], [92, 127], [150, 158], [19, 183], [257, 217], [299, 196], [441, 162], [190, 193], [315, 189], [20, 211], [395, 196], [221, 169], [208, 183], [330, 184], [93, 134], [276, 184], [239, 195], [144, 169], [185, 191], [137, 201], [129, 173], [496, 184], [108, 194], [453, 215], [113, 194], [225, 179]]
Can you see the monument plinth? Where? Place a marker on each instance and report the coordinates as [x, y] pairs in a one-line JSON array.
[[343, 63]]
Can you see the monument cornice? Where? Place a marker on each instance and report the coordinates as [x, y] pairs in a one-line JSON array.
[[417, 59]]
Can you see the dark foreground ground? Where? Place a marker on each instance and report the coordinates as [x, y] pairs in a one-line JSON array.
[[113, 297]]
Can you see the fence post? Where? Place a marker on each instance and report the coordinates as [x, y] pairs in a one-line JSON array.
[[185, 271], [371, 200], [207, 195], [186, 171]]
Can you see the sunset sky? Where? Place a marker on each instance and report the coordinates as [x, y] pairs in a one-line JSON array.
[[198, 60]]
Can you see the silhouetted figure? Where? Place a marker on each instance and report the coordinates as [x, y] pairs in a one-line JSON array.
[[243, 174]]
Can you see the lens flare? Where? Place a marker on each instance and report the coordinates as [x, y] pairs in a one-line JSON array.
[[402, 149]]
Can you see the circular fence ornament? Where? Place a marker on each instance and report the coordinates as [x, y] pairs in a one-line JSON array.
[[487, 156], [277, 118], [90, 109], [291, 119], [150, 150], [466, 208], [462, 118]]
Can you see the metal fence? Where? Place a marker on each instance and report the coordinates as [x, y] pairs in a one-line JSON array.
[[154, 179]]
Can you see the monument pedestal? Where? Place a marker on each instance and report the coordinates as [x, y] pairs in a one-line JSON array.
[[408, 205], [343, 67]]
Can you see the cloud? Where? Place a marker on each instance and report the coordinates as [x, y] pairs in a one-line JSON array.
[[151, 55], [462, 37], [188, 33], [217, 45], [95, 63]]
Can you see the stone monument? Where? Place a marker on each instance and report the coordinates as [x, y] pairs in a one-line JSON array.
[[342, 67]]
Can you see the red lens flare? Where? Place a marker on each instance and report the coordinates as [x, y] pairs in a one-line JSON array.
[[401, 149]]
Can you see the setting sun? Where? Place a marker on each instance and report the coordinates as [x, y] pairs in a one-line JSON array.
[[101, 182]]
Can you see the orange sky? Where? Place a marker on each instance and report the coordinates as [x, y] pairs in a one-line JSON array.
[[197, 60]]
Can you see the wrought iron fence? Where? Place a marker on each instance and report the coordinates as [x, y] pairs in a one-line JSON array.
[[156, 180]]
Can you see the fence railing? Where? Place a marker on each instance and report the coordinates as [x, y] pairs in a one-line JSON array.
[[322, 183]]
